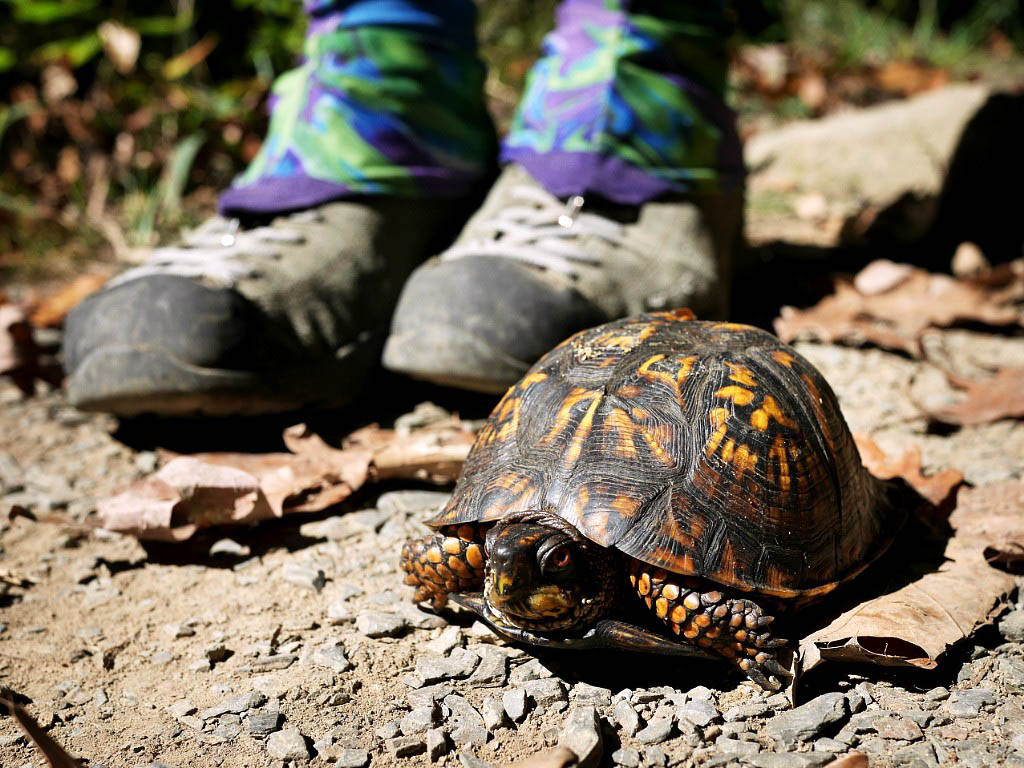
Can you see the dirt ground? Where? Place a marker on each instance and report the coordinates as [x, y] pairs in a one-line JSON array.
[[296, 640]]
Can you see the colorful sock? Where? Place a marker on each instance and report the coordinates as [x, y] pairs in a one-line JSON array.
[[387, 101], [627, 102]]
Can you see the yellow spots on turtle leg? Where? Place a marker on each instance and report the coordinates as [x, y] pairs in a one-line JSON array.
[[783, 358], [451, 546], [741, 374], [434, 555], [738, 395], [661, 607], [475, 556]]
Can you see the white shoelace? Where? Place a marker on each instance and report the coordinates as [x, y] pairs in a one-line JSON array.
[[541, 232], [219, 252]]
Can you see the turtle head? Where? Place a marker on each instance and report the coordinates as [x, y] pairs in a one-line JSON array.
[[542, 574]]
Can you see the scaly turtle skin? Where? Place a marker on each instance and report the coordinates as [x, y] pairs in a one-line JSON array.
[[693, 469]]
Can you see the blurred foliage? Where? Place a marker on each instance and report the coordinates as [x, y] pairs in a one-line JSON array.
[[119, 121]]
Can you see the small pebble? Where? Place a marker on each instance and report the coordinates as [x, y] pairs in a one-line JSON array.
[[581, 734], [405, 746], [657, 731], [626, 717], [332, 657], [514, 702], [626, 757], [288, 744], [303, 576], [381, 624], [437, 744], [699, 712]]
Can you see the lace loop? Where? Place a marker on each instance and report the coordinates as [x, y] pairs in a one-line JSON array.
[[541, 231]]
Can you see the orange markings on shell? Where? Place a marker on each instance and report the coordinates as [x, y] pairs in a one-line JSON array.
[[741, 374], [783, 358], [772, 409], [727, 450], [719, 416], [738, 395], [716, 439]]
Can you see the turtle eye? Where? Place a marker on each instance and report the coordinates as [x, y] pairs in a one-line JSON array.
[[558, 560]]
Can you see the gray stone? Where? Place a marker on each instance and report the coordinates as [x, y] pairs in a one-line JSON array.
[[288, 744], [655, 757], [826, 744], [787, 759], [855, 702], [592, 694], [492, 671], [531, 670], [271, 663], [807, 721], [420, 720], [389, 730], [700, 692], [626, 717], [1011, 626], [179, 630], [339, 613], [405, 746], [920, 755], [581, 734], [332, 657], [918, 716], [470, 760], [970, 702], [304, 576], [428, 694], [737, 747], [226, 732], [263, 722], [626, 757], [437, 744], [181, 708], [887, 725], [493, 713], [448, 639], [657, 731], [1011, 670], [699, 712], [216, 652], [235, 705], [460, 663], [345, 757], [937, 694], [546, 691], [746, 711], [514, 702], [467, 724], [381, 624]]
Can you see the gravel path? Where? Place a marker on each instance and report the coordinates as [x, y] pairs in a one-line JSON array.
[[296, 641]]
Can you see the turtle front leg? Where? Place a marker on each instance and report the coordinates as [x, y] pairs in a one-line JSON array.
[[735, 628], [451, 560]]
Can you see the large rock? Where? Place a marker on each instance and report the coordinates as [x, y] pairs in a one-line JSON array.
[[807, 721]]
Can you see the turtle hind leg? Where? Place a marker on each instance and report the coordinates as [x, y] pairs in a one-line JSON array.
[[451, 560], [734, 628]]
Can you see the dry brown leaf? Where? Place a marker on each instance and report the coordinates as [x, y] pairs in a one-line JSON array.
[[54, 307], [898, 307], [994, 514], [559, 757], [193, 492], [998, 397], [909, 77], [925, 603], [54, 753], [939, 489], [850, 760]]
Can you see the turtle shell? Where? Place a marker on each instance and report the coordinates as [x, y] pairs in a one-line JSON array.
[[708, 449]]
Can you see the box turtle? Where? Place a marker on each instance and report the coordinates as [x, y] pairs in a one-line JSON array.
[[693, 474]]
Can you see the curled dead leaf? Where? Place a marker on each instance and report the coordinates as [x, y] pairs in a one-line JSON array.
[[193, 492], [933, 589], [992, 516], [998, 397], [886, 306], [54, 307], [939, 489]]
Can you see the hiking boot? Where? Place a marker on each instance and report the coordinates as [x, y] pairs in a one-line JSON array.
[[529, 270], [254, 320]]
